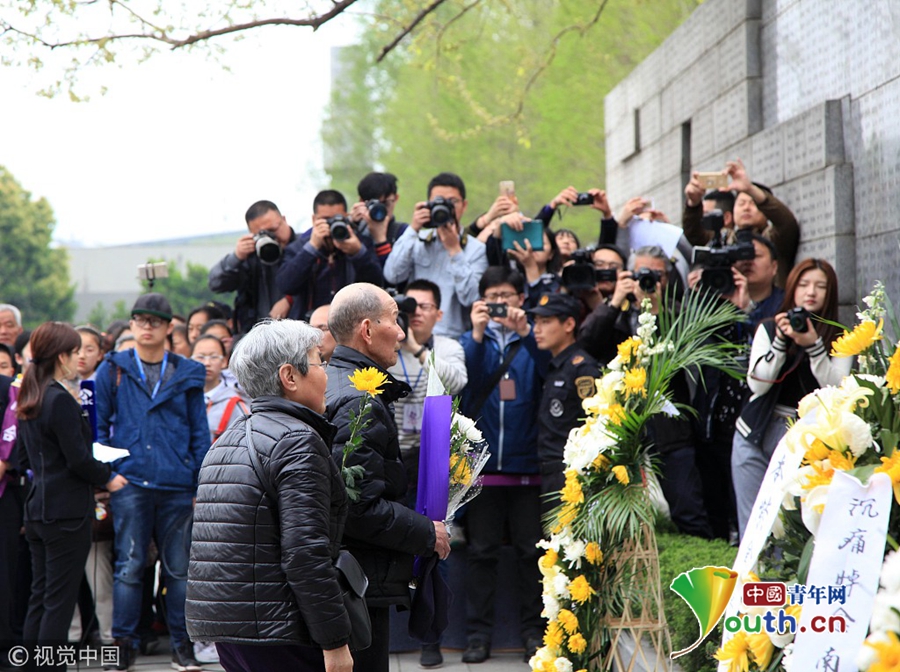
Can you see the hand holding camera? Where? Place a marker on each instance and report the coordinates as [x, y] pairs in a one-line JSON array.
[[320, 234], [343, 235], [625, 287], [600, 202], [246, 246], [796, 324], [448, 234], [567, 196]]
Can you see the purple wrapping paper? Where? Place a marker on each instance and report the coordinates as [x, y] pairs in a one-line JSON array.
[[434, 458]]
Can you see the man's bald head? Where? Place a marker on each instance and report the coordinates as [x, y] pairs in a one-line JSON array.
[[353, 304]]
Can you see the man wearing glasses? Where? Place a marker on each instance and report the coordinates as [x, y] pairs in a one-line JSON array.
[[150, 402], [607, 323], [374, 212], [452, 260]]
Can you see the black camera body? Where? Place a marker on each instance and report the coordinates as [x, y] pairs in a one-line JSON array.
[[377, 210], [798, 317], [442, 212], [340, 227], [582, 274], [407, 306], [647, 279], [717, 259], [498, 309], [584, 198], [267, 248]]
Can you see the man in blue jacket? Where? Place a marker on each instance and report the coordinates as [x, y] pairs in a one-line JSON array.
[[505, 371], [150, 402]]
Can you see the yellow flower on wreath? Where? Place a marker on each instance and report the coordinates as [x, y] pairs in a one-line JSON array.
[[549, 559], [891, 467], [888, 654], [580, 589], [621, 474], [615, 413], [577, 643], [593, 553], [627, 349], [601, 462], [736, 653], [554, 636], [566, 515], [568, 620], [860, 339], [761, 649], [635, 380], [571, 492], [893, 373], [368, 380]]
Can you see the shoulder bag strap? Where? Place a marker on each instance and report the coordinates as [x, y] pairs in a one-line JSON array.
[[494, 379]]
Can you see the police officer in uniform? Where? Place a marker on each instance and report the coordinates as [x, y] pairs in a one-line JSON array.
[[570, 379]]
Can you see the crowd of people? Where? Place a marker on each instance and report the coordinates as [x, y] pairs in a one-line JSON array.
[[515, 317]]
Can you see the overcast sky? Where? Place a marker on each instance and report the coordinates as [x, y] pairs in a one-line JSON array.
[[178, 146]]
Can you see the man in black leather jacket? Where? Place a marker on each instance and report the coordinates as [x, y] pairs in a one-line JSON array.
[[382, 532]]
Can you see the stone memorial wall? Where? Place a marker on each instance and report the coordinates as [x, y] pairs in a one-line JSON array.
[[806, 93]]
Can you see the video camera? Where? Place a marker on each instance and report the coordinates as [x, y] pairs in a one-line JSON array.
[[582, 274], [340, 227], [407, 306], [442, 212], [717, 259], [267, 248]]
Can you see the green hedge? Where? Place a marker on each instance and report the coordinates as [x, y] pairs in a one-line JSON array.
[[679, 553]]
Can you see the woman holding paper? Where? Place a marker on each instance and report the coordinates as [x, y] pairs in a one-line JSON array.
[[55, 440]]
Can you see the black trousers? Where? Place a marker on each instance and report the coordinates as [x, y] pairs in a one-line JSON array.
[[261, 658], [681, 486], [10, 525], [377, 658], [59, 552], [496, 509]]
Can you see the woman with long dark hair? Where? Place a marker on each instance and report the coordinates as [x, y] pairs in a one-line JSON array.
[[789, 359], [57, 442]]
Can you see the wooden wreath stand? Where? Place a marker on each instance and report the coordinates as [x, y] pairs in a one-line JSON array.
[[639, 638]]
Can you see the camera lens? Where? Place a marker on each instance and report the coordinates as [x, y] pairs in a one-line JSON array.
[[440, 214], [267, 249], [340, 230], [377, 210]]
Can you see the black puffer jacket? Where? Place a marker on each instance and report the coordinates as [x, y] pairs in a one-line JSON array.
[[256, 578], [382, 532]]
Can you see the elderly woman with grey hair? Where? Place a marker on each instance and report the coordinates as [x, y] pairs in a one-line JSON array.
[[261, 582]]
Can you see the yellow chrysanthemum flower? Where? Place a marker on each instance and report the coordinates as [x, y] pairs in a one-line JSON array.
[[621, 474], [554, 636], [600, 462], [568, 620], [891, 467], [822, 476], [893, 373], [860, 339], [635, 380], [761, 648], [577, 643], [460, 471], [888, 654], [817, 451], [842, 461], [628, 348], [566, 516], [580, 589], [593, 553], [368, 380], [571, 492], [735, 653], [549, 559], [615, 413]]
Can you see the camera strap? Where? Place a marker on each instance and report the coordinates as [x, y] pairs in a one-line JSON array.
[[495, 379]]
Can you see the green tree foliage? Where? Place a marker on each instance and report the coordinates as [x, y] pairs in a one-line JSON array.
[[494, 90], [33, 276], [186, 291], [100, 318]]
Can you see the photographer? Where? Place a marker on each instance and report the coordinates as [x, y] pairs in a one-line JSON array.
[[251, 269], [433, 248], [761, 271], [374, 212], [596, 198], [607, 324], [327, 257], [755, 207], [789, 360]]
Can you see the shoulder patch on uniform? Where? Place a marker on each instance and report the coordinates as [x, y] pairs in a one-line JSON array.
[[577, 359], [544, 300], [584, 385]]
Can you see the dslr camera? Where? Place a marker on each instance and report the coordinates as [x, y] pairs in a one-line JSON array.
[[267, 248], [442, 212], [582, 274], [340, 227], [798, 316], [407, 306], [647, 279], [377, 210], [717, 259]]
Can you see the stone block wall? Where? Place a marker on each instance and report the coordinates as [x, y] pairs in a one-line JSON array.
[[805, 92]]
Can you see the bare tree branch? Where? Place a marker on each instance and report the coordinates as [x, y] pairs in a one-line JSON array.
[[406, 31]]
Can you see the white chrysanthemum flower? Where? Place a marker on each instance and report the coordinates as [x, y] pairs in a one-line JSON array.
[[884, 616], [890, 572], [574, 551], [788, 658], [867, 655], [560, 585], [563, 665], [551, 607], [468, 428], [855, 433]]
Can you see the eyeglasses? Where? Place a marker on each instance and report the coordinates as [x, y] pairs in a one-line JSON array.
[[426, 306], [499, 296], [324, 365], [148, 321], [208, 358], [602, 265]]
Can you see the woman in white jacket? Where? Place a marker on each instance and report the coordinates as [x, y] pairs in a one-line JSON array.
[[788, 360]]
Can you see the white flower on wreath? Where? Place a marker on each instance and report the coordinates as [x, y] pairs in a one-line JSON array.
[[788, 658], [468, 428], [890, 572], [812, 506], [573, 552], [867, 655], [560, 585], [551, 607], [884, 614], [563, 665]]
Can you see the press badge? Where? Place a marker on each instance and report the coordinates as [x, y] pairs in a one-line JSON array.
[[412, 417], [507, 389]]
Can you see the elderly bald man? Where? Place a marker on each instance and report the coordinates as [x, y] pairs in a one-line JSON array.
[[382, 532]]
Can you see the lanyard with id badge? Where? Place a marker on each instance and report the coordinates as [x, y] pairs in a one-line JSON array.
[[412, 410]]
